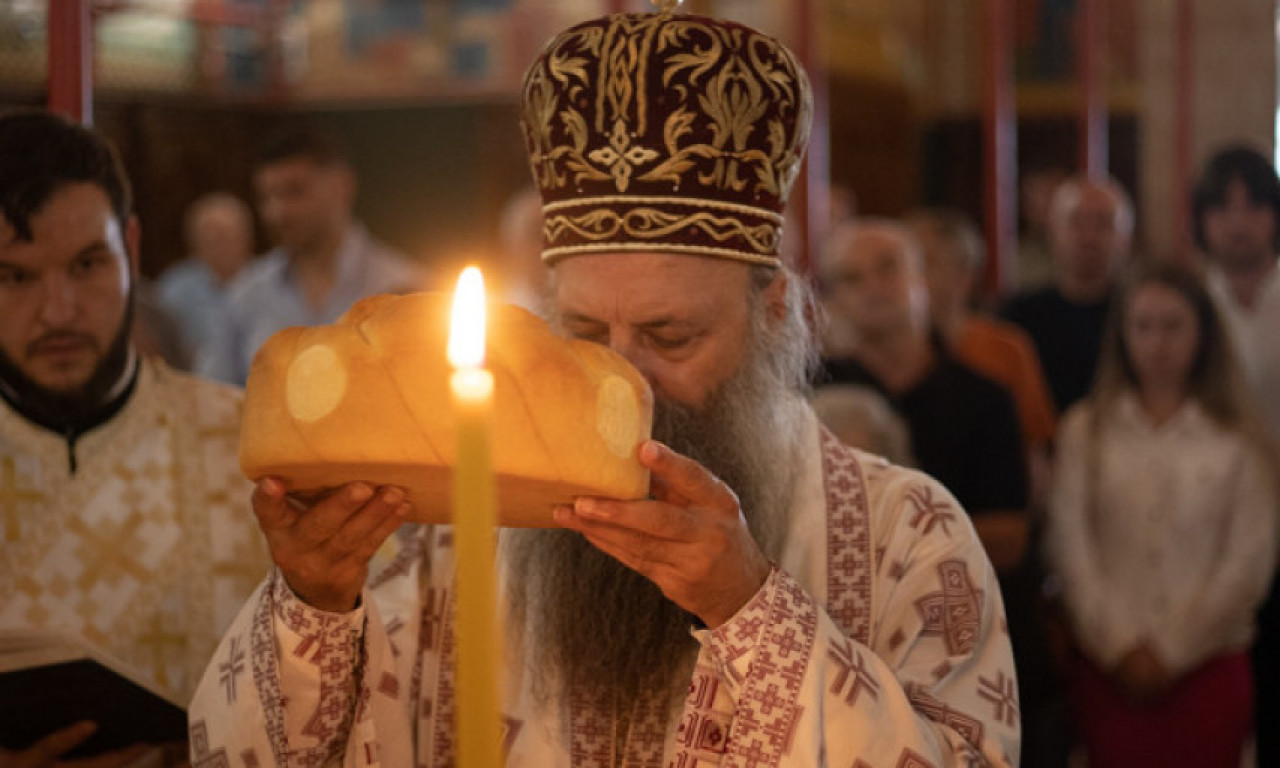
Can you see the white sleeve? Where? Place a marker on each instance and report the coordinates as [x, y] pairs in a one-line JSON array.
[[781, 684], [284, 684]]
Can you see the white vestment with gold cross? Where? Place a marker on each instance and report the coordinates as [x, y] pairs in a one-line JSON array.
[[149, 548]]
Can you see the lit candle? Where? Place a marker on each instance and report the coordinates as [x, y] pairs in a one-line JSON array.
[[474, 515]]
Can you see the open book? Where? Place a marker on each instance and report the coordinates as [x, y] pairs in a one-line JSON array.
[[49, 681]]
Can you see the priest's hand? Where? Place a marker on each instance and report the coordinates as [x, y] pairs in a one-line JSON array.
[[323, 550], [47, 752], [690, 539]]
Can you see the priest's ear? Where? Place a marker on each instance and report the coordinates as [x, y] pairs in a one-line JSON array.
[[775, 296]]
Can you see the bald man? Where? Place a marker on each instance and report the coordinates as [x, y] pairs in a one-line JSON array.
[[1090, 232], [193, 291]]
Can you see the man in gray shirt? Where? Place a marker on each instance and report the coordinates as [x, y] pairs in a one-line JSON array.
[[323, 262]]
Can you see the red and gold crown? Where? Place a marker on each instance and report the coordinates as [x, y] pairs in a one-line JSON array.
[[665, 132]]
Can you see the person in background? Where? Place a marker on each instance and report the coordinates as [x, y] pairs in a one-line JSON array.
[[121, 524], [193, 291], [954, 253], [1163, 533], [323, 260], [1236, 220], [781, 599], [861, 417], [1090, 226], [964, 428]]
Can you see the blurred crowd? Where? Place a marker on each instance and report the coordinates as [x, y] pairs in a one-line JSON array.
[[1110, 428]]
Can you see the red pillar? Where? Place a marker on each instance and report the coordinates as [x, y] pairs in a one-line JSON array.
[[810, 205], [71, 59], [999, 148], [1091, 62], [1184, 82]]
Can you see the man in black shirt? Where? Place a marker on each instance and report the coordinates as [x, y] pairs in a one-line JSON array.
[[1090, 226], [964, 429]]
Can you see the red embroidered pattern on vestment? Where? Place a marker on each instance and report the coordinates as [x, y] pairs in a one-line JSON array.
[[443, 751], [850, 567], [955, 613], [759, 739]]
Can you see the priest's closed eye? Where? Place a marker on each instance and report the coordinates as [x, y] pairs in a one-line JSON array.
[[670, 341]]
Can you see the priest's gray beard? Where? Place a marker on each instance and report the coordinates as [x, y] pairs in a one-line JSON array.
[[590, 624]]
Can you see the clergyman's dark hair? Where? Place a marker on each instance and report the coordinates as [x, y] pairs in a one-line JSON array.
[[1235, 163], [41, 152]]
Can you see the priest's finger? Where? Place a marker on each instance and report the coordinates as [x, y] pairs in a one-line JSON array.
[[625, 550], [663, 563], [270, 505], [654, 518], [380, 534], [681, 480], [318, 524], [385, 513], [641, 551]]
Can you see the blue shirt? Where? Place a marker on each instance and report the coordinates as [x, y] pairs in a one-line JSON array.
[[265, 298], [194, 299]]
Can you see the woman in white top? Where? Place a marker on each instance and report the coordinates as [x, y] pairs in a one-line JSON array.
[[1163, 533]]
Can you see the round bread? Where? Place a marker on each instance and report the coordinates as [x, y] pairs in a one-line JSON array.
[[367, 399]]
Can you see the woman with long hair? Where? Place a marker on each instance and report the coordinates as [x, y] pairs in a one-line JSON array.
[[1162, 530]]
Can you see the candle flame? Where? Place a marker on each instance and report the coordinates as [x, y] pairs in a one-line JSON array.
[[466, 327]]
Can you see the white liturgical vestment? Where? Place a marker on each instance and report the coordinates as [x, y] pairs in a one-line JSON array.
[[877, 641], [149, 548]]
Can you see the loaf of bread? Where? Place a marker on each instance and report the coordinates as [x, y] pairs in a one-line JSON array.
[[367, 399]]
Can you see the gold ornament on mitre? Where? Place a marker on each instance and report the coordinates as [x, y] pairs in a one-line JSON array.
[[665, 132]]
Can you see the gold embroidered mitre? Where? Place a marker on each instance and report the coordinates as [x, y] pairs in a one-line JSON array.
[[665, 132]]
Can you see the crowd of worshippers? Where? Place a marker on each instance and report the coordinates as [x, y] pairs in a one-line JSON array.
[[1108, 432], [1111, 430]]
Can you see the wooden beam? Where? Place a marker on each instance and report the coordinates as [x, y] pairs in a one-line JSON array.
[[810, 204], [70, 45], [1183, 119], [1091, 65], [999, 148]]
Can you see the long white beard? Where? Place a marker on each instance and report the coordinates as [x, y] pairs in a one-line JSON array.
[[588, 622]]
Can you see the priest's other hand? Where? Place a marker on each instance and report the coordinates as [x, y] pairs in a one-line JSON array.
[[46, 752], [690, 539], [323, 550]]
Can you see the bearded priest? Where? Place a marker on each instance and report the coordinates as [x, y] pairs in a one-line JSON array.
[[779, 600]]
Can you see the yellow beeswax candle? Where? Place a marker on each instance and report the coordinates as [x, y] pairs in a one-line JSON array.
[[474, 516]]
